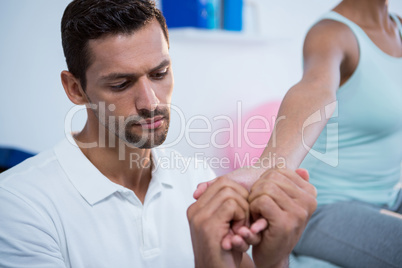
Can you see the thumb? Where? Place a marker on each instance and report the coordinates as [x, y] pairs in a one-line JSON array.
[[201, 188], [303, 173]]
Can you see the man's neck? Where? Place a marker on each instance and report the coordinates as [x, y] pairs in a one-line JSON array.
[[119, 162]]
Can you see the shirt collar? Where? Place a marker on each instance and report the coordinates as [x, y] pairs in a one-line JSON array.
[[87, 179], [159, 173]]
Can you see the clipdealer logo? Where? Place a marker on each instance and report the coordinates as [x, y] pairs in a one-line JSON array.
[[331, 154]]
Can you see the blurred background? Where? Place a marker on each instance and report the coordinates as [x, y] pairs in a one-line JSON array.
[[216, 71]]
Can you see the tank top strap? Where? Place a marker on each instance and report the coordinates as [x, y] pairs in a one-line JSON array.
[[398, 22], [357, 31]]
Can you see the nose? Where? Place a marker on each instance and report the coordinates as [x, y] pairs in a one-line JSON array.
[[145, 97]]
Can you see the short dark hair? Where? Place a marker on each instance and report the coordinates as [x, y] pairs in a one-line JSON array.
[[84, 20]]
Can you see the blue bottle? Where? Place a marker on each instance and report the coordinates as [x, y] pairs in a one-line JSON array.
[[185, 13], [233, 15]]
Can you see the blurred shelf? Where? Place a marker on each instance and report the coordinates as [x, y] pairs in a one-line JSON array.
[[201, 35]]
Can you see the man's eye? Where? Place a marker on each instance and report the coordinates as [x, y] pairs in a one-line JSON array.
[[120, 86], [160, 75]]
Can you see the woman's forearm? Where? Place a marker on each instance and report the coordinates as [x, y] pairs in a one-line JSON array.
[[302, 116]]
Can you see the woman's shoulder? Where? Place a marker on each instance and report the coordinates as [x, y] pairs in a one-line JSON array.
[[330, 34], [329, 27]]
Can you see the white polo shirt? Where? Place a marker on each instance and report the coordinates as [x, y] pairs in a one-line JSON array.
[[58, 210]]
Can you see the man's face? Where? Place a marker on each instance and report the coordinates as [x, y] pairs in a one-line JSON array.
[[131, 77]]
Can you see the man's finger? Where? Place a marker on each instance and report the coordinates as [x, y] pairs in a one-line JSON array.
[[202, 187], [283, 182], [290, 175], [259, 225], [249, 236], [303, 173], [215, 190], [239, 244], [267, 208], [234, 242], [227, 242]]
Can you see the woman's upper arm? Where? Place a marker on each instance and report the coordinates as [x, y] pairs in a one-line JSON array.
[[326, 48]]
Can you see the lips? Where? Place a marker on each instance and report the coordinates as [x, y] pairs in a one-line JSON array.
[[151, 123]]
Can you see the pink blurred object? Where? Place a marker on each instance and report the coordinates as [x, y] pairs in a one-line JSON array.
[[251, 135]]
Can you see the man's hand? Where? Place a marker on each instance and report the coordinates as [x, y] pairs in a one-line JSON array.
[[286, 200], [281, 202], [214, 218], [245, 176]]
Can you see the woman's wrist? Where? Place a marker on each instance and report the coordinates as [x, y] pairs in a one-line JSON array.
[[282, 264], [265, 163]]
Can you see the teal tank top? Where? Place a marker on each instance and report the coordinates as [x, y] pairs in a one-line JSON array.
[[359, 153]]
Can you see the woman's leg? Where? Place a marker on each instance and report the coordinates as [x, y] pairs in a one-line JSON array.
[[353, 234], [397, 207]]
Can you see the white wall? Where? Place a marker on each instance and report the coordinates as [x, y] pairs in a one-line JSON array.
[[33, 103], [211, 73]]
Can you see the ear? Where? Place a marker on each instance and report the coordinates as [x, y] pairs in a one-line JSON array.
[[73, 89]]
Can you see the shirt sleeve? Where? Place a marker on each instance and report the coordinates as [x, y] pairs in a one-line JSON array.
[[26, 238]]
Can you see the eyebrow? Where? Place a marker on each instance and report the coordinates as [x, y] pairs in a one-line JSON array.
[[133, 76]]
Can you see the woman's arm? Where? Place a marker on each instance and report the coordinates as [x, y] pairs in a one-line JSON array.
[[314, 95], [330, 56]]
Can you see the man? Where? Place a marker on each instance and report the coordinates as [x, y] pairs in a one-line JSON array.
[[101, 198]]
